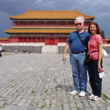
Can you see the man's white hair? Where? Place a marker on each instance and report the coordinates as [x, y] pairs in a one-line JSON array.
[[80, 17]]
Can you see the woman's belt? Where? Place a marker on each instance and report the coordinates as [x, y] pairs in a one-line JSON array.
[[77, 52]]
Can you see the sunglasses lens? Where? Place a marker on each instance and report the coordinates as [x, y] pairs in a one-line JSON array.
[[78, 24]]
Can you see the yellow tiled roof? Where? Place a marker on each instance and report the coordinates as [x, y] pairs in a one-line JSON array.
[[50, 14], [106, 39], [38, 31], [4, 38]]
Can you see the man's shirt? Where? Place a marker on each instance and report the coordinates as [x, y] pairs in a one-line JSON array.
[[75, 43]]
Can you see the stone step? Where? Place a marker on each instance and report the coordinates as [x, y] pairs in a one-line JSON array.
[[49, 49]]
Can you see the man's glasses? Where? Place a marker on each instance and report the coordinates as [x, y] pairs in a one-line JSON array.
[[78, 24]]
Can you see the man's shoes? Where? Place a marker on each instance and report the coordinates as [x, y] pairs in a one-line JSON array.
[[74, 92], [82, 94]]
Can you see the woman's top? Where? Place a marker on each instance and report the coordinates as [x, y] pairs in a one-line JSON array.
[[93, 46]]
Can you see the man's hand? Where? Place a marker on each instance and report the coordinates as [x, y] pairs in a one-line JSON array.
[[64, 55], [65, 50]]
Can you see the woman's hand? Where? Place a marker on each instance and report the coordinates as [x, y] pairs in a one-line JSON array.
[[99, 67]]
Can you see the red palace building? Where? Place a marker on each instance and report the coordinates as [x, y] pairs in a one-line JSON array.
[[49, 27]]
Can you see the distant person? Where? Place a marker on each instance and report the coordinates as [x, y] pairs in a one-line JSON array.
[[77, 56], [16, 51], [24, 50], [29, 51], [95, 64], [0, 50]]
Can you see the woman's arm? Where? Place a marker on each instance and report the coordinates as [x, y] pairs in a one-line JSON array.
[[100, 56]]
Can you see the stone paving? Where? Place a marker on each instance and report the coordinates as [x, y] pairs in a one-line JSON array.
[[42, 82]]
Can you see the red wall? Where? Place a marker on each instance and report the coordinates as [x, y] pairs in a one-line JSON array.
[[14, 39], [105, 42], [47, 40], [4, 41]]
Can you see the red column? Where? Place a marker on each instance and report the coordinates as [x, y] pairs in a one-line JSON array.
[[27, 23], [26, 39], [66, 24], [46, 41], [85, 24], [57, 23], [18, 39], [45, 23], [18, 23], [36, 39], [36, 23]]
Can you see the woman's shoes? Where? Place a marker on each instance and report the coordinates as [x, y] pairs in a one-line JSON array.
[[93, 97]]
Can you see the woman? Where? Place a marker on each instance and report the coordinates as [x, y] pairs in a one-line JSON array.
[[95, 64]]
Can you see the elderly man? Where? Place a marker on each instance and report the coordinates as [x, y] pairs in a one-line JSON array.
[[77, 56]]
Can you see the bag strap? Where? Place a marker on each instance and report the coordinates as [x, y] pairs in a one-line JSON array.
[[82, 41], [93, 51], [84, 44]]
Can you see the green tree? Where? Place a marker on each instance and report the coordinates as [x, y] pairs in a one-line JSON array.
[[102, 34]]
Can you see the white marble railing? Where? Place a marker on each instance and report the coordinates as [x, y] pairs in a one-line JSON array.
[[106, 45], [23, 44], [35, 44]]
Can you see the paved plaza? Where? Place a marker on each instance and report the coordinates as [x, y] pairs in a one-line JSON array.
[[41, 82]]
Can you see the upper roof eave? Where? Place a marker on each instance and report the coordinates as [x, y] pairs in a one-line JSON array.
[[50, 14]]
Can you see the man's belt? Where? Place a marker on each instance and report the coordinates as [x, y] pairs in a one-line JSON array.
[[77, 52]]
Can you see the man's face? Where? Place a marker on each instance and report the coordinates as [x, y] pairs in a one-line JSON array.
[[79, 24]]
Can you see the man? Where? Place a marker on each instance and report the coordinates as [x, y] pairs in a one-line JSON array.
[[0, 50], [77, 56]]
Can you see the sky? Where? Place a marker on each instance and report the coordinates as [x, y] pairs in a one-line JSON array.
[[98, 8]]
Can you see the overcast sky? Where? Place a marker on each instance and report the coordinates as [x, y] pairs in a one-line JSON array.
[[98, 8]]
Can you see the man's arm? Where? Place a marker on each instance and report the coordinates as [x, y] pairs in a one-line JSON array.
[[67, 45]]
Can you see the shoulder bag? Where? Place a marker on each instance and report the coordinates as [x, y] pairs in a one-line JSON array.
[[104, 53]]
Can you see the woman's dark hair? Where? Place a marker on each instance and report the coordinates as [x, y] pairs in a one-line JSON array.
[[97, 28]]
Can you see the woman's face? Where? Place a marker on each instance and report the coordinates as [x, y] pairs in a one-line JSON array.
[[93, 29]]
